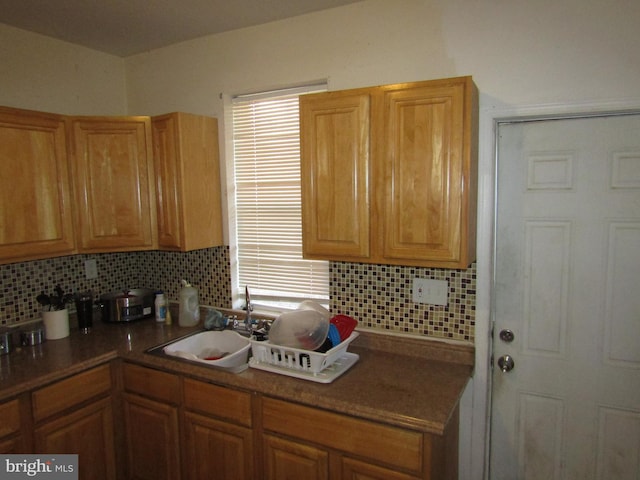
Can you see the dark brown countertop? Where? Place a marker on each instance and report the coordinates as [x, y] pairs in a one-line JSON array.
[[406, 381]]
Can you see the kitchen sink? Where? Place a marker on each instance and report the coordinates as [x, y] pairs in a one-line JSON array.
[[224, 350]]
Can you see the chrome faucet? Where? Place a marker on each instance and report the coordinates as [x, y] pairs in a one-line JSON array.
[[248, 321]]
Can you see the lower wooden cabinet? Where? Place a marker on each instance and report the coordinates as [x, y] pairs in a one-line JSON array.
[[10, 445], [182, 428], [352, 469], [305, 442], [12, 435], [152, 439], [289, 459], [215, 449], [178, 427], [151, 424], [87, 432], [75, 416], [218, 434], [152, 432]]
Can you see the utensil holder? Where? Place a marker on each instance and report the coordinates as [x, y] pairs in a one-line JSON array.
[[56, 324]]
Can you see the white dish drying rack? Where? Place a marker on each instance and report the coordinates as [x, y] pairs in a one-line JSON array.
[[305, 364]]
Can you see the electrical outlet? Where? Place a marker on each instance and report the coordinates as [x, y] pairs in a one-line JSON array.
[[90, 269], [434, 292]]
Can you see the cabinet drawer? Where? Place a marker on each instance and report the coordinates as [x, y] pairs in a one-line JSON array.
[[72, 391], [382, 443], [152, 383], [218, 401], [10, 415]]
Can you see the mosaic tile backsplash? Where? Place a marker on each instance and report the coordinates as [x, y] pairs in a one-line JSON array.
[[379, 296], [20, 283]]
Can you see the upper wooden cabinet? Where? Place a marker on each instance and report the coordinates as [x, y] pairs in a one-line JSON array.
[[335, 155], [35, 208], [105, 168], [389, 174], [188, 189], [113, 178]]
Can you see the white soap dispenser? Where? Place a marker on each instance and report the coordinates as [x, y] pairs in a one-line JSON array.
[[189, 310]]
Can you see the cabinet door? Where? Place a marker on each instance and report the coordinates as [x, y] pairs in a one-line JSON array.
[[425, 181], [383, 444], [11, 445], [335, 175], [188, 185], [152, 439], [285, 459], [113, 174], [217, 450], [11, 439], [35, 208], [65, 394], [357, 470], [87, 432]]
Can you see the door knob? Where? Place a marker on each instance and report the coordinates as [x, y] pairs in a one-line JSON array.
[[506, 363], [506, 335]]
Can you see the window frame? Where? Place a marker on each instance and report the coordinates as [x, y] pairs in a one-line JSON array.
[[275, 304]]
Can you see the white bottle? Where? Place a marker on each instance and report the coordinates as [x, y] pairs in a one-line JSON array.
[[161, 307], [189, 310]]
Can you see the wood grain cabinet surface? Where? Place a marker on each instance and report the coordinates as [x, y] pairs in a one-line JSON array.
[[126, 420], [75, 416], [284, 458], [152, 439], [86, 431], [183, 428], [13, 428], [305, 442], [35, 193], [335, 162], [389, 174], [188, 190], [218, 434], [180, 427], [113, 178], [83, 184], [151, 423]]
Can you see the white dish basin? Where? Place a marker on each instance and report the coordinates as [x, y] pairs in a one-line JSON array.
[[226, 349]]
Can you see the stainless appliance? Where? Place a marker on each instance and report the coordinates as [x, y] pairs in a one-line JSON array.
[[127, 305], [6, 341], [35, 336]]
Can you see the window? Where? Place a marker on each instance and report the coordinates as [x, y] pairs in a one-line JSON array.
[[268, 228]]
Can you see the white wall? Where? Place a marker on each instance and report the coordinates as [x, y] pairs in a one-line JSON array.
[[41, 73], [519, 52]]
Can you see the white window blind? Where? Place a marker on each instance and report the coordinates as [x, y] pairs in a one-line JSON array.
[[266, 150]]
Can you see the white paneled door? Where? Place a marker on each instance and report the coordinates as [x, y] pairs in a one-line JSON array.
[[566, 346]]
